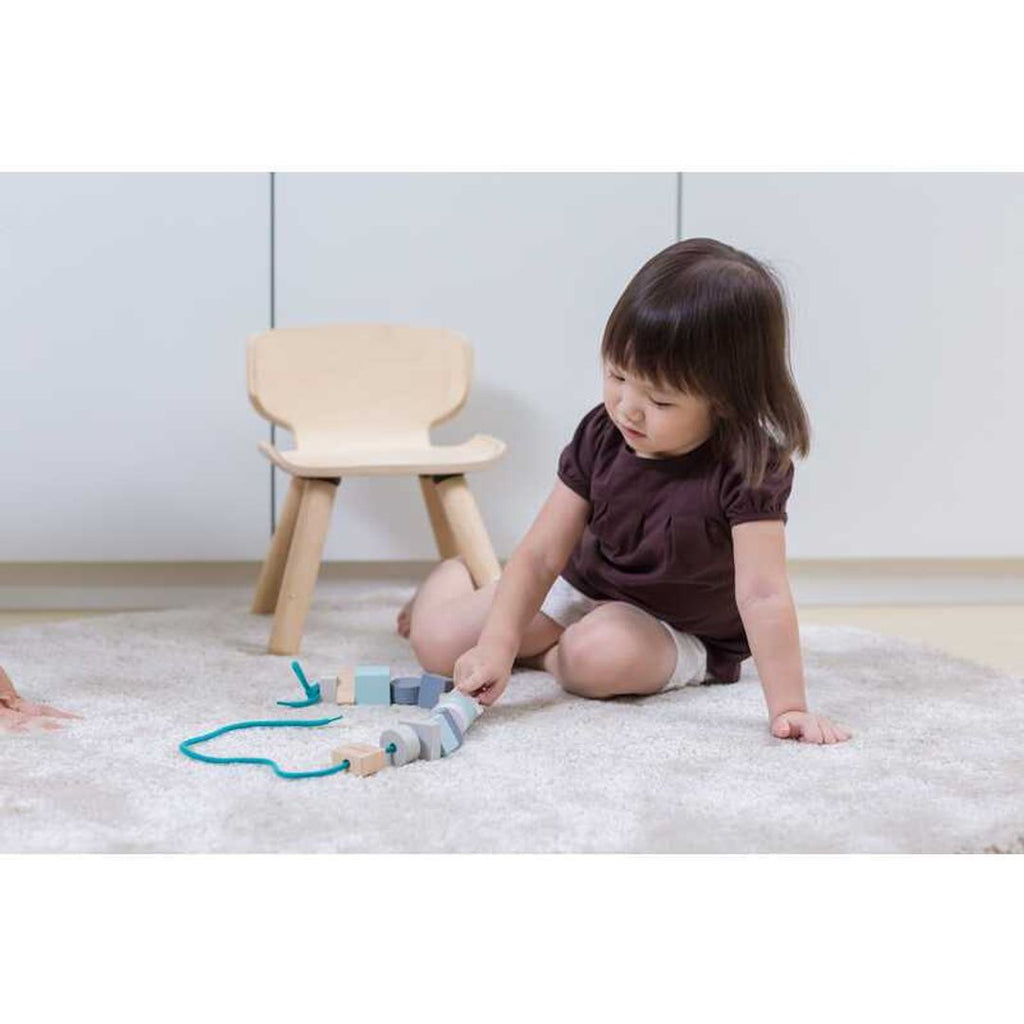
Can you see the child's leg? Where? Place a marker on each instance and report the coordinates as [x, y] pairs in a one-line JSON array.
[[448, 613], [615, 649]]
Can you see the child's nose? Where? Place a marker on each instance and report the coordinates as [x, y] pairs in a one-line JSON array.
[[630, 411]]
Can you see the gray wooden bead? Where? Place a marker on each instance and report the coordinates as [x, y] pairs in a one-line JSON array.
[[406, 741], [429, 734], [405, 690]]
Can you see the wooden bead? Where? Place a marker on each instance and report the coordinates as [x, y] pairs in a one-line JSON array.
[[373, 684], [429, 733], [451, 734], [363, 758], [345, 692], [406, 690], [469, 708], [407, 744], [431, 688]]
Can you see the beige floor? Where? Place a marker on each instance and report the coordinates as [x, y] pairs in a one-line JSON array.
[[990, 634]]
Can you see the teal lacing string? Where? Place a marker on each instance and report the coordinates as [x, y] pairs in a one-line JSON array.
[[312, 691], [270, 724], [313, 697]]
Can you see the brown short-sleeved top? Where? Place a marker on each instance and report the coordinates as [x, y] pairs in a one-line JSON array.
[[658, 534]]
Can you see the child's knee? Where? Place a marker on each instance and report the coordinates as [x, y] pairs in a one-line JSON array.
[[434, 651], [604, 658], [438, 640], [583, 664]]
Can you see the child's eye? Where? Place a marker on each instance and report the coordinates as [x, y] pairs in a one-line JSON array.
[[662, 405], [617, 376]]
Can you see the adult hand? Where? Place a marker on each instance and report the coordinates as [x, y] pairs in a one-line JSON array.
[[20, 715]]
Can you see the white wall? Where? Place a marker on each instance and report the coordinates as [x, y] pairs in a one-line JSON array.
[[527, 266], [125, 301], [907, 294]]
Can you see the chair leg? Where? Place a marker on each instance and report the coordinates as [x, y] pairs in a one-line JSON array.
[[303, 566], [467, 528], [268, 586], [438, 523]]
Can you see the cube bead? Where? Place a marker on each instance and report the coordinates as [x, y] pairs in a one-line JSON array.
[[373, 684], [363, 758]]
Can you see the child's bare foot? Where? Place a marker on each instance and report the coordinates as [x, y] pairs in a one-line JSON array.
[[448, 580], [405, 618]]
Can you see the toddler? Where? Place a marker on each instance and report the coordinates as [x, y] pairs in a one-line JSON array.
[[659, 558]]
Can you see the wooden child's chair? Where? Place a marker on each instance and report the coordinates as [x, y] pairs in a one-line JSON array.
[[360, 400]]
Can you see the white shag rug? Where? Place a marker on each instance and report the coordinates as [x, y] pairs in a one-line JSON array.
[[936, 764]]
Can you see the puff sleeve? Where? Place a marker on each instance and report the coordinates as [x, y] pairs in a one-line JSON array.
[[743, 504], [576, 463]]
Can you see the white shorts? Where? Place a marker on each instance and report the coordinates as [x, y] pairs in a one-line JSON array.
[[566, 605]]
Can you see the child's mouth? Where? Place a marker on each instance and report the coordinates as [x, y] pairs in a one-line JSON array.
[[629, 432]]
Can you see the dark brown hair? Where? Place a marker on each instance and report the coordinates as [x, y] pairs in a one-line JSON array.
[[708, 319]]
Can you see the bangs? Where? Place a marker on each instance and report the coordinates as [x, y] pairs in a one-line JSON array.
[[655, 352]]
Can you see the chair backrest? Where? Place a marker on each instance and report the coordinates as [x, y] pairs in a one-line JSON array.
[[370, 385]]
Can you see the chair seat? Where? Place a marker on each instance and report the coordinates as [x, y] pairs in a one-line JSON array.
[[479, 451]]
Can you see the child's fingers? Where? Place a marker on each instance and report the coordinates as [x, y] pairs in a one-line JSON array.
[[810, 731], [489, 695], [464, 680], [474, 680]]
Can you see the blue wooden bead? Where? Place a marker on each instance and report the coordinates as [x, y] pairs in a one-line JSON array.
[[431, 688], [373, 684], [405, 690], [451, 734], [470, 709]]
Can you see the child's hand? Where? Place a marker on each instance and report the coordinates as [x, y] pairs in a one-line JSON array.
[[808, 728], [483, 672]]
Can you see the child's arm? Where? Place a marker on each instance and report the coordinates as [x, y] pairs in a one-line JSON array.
[[535, 564], [769, 619]]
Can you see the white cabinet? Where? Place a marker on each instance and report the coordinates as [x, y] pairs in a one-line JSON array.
[[527, 266], [125, 303], [907, 295], [126, 300]]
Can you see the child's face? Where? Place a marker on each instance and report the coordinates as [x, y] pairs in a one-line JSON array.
[[655, 421]]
